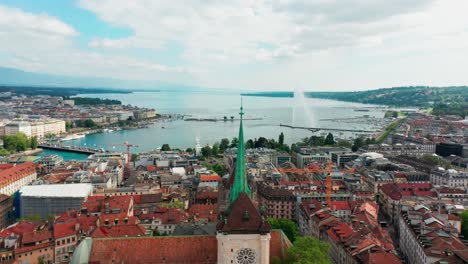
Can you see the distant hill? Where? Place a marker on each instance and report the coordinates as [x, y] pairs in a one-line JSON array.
[[16, 77], [443, 100]]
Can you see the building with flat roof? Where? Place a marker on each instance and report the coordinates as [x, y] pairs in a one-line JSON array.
[[53, 199]]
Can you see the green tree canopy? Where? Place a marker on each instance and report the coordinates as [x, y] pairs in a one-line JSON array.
[[165, 147], [215, 149], [329, 140], [223, 145], [464, 226], [309, 250], [34, 142], [17, 142], [4, 152], [281, 139], [206, 151], [289, 227]]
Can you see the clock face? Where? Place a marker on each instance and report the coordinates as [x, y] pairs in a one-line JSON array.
[[245, 256]]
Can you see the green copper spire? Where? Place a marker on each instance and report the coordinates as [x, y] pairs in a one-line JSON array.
[[240, 179]]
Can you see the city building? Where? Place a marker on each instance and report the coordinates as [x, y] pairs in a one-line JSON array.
[[50, 162], [447, 149], [450, 178], [7, 216], [16, 127], [277, 203], [53, 199], [340, 158], [423, 238], [14, 178]]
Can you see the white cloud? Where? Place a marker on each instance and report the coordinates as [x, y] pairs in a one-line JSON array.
[[324, 44], [27, 23]]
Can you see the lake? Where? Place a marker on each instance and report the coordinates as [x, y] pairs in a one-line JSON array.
[[271, 111]]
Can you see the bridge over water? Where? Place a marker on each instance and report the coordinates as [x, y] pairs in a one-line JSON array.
[[75, 149]]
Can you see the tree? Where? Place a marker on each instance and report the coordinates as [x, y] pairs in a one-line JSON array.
[[395, 114], [68, 125], [261, 143], [289, 228], [234, 142], [40, 260], [358, 142], [134, 157], [329, 140], [219, 169], [281, 139], [223, 145], [249, 144], [309, 250], [17, 142], [464, 226], [344, 143], [316, 141], [206, 151], [4, 152], [189, 150], [34, 142], [165, 147], [89, 123], [215, 149]]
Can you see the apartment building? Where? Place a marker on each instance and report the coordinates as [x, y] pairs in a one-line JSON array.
[[14, 178]]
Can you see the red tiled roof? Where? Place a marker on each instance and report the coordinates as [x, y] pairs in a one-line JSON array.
[[119, 231], [19, 228], [178, 249], [380, 257], [244, 218], [207, 195], [151, 168], [311, 206], [340, 232], [5, 166], [340, 205], [65, 229], [16, 173], [36, 236], [204, 211], [210, 178], [35, 247]]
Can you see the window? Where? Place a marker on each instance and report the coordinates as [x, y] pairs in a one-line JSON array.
[[245, 256]]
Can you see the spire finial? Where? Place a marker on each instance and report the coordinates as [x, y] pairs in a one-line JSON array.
[[241, 109]]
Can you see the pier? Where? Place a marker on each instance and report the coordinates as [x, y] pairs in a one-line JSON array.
[[74, 149], [315, 129]]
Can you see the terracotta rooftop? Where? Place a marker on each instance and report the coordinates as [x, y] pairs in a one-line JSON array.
[[118, 231], [16, 173], [36, 236], [210, 178], [177, 249], [204, 211]]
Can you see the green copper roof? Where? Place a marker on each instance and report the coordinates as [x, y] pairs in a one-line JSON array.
[[240, 180]]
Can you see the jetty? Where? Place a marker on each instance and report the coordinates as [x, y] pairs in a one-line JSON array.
[[315, 129]]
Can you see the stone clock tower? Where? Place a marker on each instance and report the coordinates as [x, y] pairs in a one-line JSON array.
[[243, 235]]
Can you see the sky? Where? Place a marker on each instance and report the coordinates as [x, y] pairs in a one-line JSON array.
[[314, 45]]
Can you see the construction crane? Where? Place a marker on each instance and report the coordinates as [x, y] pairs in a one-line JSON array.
[[314, 168]]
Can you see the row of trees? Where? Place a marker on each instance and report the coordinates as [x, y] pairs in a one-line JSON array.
[[329, 140], [19, 142]]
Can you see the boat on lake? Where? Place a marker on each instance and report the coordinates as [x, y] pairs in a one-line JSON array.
[[73, 137]]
